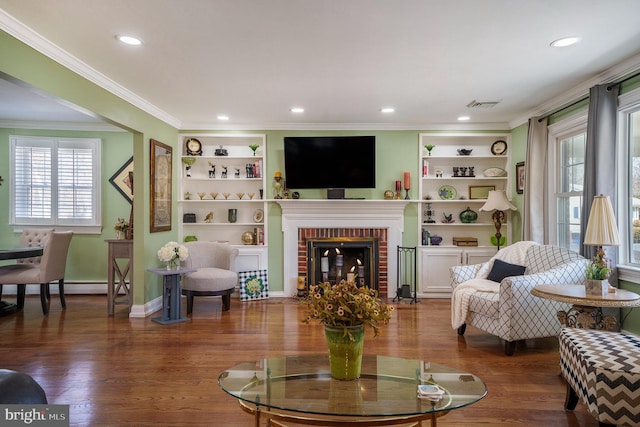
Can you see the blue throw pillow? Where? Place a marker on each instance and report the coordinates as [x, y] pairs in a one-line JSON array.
[[502, 269]]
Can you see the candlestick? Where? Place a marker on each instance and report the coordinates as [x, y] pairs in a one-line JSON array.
[[324, 264], [339, 260], [398, 186], [351, 277]]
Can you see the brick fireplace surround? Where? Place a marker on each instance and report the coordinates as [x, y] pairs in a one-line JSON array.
[[337, 233], [353, 218]]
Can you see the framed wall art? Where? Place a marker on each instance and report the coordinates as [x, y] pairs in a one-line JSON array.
[[121, 180], [520, 177], [480, 191], [160, 183]]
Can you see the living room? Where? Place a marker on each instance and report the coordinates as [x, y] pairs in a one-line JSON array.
[[126, 129]]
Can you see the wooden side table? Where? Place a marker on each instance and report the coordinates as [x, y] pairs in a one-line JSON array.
[[119, 277], [586, 310], [171, 295]]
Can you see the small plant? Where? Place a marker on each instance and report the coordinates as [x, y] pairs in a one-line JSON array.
[[189, 161], [598, 269], [121, 225]]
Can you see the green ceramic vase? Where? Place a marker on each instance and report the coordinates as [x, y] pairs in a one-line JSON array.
[[345, 355]]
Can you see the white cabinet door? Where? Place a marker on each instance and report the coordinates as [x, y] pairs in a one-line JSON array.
[[435, 279], [478, 255]]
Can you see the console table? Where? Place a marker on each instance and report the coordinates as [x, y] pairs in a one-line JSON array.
[[171, 295], [119, 278]]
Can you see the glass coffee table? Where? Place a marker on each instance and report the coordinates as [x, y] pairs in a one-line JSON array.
[[300, 390]]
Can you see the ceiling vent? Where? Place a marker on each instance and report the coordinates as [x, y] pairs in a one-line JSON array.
[[482, 104]]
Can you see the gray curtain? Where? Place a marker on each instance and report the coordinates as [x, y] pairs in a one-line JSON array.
[[535, 215], [600, 159]]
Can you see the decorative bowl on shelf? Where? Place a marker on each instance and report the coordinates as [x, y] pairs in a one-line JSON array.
[[435, 240], [465, 151]]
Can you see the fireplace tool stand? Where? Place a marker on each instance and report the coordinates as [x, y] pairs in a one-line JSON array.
[[407, 286]]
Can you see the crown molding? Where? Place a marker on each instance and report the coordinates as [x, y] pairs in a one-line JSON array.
[[46, 125], [346, 126], [26, 35]]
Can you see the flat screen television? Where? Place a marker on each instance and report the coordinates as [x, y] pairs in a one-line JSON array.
[[330, 162]]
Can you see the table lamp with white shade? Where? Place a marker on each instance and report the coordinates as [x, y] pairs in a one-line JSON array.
[[497, 201], [602, 230]]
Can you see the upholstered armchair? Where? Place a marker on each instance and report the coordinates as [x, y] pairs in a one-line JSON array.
[[504, 306], [214, 276], [51, 267]]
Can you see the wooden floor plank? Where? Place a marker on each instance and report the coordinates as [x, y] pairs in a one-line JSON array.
[[116, 371]]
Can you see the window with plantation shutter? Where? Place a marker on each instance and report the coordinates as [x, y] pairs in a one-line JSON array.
[[55, 181]]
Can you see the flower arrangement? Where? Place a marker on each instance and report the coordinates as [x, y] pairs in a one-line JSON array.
[[121, 225], [599, 268], [345, 304], [173, 252]]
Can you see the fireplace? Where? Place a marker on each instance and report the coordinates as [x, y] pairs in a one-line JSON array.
[[334, 259], [382, 220]]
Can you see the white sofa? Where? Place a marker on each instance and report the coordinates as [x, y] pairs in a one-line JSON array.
[[507, 309]]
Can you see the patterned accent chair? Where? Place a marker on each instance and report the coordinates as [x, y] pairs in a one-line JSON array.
[[512, 313]]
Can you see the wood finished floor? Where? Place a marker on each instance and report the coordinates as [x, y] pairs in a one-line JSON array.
[[116, 371]]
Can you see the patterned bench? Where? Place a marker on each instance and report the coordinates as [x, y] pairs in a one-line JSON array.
[[603, 369]]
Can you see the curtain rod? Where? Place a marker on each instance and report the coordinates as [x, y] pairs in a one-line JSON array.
[[566, 107]]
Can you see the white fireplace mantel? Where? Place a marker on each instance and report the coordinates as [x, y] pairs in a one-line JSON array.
[[343, 213]]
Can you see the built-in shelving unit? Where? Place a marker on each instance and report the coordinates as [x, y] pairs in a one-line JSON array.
[[227, 175], [455, 175]]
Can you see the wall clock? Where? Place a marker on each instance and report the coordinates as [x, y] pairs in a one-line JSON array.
[[194, 147], [499, 148]]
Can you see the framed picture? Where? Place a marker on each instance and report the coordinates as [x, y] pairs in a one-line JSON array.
[[520, 177], [480, 191], [121, 180], [161, 161]]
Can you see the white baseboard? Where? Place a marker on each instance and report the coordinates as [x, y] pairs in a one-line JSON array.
[[69, 288], [137, 311]]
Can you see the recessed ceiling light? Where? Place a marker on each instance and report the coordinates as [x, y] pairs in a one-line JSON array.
[[565, 41], [464, 118], [297, 110], [130, 40], [387, 110], [223, 117]]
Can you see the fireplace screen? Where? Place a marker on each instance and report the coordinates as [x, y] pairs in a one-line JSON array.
[[337, 258]]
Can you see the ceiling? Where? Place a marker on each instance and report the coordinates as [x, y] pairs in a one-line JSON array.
[[340, 60]]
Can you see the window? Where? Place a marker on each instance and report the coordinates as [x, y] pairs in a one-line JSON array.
[[568, 140], [55, 181], [629, 208]]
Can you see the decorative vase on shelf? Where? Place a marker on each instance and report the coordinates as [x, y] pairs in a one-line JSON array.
[[468, 216], [120, 235], [345, 350]]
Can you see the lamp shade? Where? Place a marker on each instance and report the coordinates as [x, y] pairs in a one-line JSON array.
[[497, 200], [602, 228]]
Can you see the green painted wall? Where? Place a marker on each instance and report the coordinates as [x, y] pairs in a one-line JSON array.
[[22, 63], [518, 154], [88, 252]]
